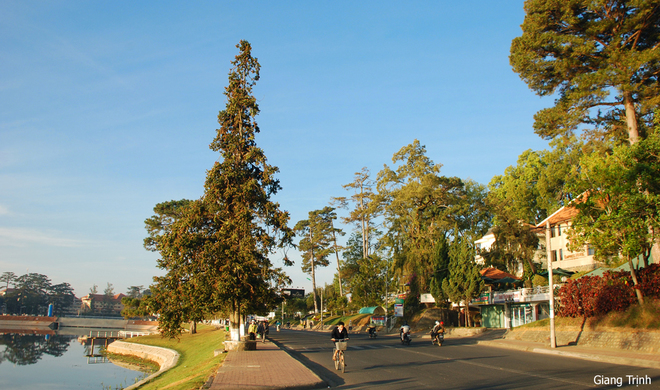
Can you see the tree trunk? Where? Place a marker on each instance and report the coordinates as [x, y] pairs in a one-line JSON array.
[[316, 308], [193, 327], [467, 312], [235, 323], [334, 237], [631, 118], [638, 291]]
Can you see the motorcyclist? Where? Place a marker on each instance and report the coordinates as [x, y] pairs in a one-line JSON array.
[[439, 328], [371, 330], [405, 329]]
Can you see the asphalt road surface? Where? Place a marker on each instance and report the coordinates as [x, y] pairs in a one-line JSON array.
[[384, 363]]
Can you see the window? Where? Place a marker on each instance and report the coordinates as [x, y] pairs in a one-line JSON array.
[[558, 230], [590, 251], [561, 254], [552, 232], [553, 256]]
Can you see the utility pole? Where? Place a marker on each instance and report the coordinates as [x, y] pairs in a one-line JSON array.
[[553, 341]]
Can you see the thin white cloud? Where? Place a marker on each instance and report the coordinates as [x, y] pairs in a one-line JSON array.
[[23, 237], [4, 210]]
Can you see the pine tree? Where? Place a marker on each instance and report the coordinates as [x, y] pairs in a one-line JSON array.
[[601, 57], [464, 282]]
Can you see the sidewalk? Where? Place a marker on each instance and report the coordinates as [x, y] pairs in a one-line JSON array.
[[268, 367], [615, 356]]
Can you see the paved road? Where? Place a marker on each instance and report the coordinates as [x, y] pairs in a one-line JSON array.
[[459, 364]]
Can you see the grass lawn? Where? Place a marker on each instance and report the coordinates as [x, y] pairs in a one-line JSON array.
[[196, 363]]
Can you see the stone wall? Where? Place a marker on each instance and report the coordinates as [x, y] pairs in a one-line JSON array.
[[166, 358], [633, 340]]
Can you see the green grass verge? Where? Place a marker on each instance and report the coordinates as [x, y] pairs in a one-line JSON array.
[[134, 363], [635, 317], [196, 363]]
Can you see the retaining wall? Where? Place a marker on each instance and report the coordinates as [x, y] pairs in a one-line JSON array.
[[26, 321], [632, 340], [166, 358]]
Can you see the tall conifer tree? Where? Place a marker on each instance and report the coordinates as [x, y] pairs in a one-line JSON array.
[[216, 253]]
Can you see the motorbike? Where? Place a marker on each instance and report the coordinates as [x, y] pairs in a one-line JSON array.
[[372, 332], [438, 339], [405, 338]]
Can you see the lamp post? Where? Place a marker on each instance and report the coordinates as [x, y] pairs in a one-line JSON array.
[[553, 341]]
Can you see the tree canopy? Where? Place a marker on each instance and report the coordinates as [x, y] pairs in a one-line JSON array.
[[600, 57]]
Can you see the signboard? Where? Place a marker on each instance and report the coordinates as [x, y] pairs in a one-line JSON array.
[[378, 320], [398, 310], [507, 296], [426, 298], [483, 299], [293, 293]]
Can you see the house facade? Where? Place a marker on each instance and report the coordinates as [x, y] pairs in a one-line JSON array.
[[561, 256], [506, 309]]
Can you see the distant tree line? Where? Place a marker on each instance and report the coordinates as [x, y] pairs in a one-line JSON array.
[[32, 293]]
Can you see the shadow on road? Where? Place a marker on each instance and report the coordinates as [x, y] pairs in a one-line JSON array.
[[331, 379]]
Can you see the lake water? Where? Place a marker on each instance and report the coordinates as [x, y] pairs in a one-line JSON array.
[[57, 362]]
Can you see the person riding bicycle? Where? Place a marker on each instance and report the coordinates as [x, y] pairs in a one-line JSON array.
[[405, 329], [439, 328], [338, 333]]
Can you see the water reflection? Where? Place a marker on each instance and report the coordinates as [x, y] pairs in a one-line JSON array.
[[46, 360], [29, 349]]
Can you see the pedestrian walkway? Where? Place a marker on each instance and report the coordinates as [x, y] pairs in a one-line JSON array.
[[615, 356], [268, 367]]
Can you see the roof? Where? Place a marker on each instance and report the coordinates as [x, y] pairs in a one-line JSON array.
[[566, 213], [103, 297], [637, 263], [377, 310], [496, 274]]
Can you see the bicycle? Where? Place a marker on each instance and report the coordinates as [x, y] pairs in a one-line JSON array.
[[340, 359]]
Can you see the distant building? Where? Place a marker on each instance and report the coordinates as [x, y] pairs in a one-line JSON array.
[[102, 304], [484, 244], [4, 291]]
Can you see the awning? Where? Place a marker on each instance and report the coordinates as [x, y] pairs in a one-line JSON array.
[[375, 310], [556, 271]]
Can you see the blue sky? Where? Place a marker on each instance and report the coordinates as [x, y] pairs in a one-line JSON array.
[[107, 108]]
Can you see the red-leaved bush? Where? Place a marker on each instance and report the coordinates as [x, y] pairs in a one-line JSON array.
[[589, 296]]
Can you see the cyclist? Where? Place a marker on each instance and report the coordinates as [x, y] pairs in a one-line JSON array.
[[338, 333], [439, 328]]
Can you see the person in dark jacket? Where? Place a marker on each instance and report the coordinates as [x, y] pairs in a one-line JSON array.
[[338, 333]]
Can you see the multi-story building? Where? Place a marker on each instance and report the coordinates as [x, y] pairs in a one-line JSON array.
[[102, 304], [561, 256], [517, 307]]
